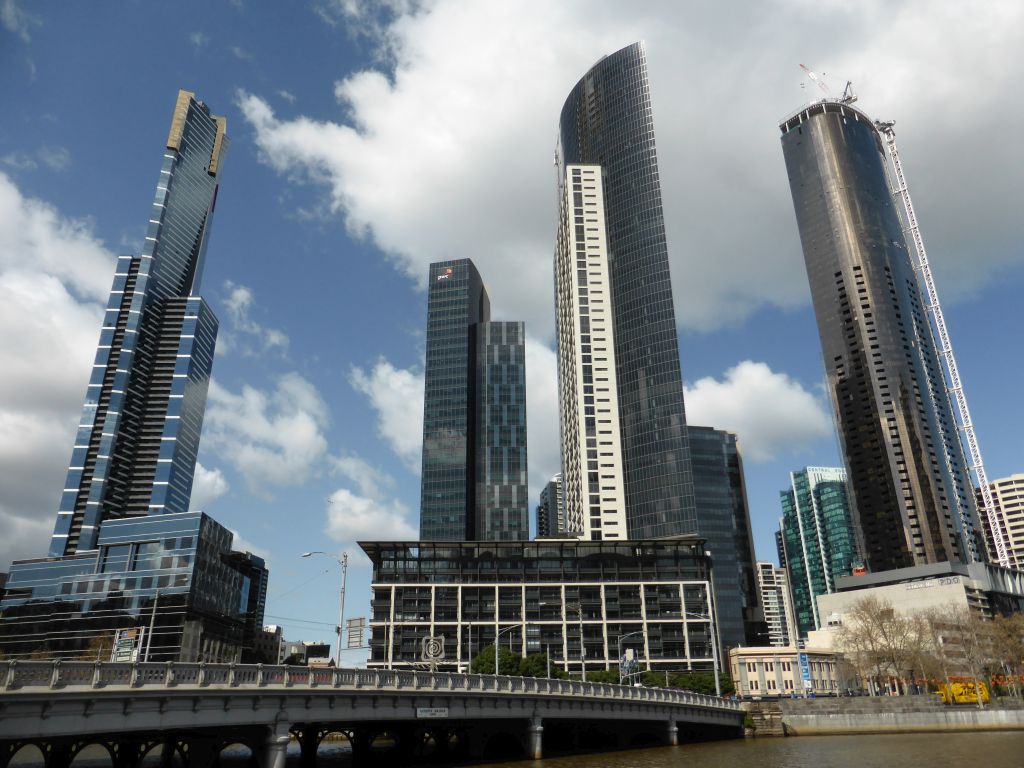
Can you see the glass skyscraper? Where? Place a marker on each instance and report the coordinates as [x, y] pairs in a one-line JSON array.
[[138, 436], [816, 539], [129, 566], [607, 121], [473, 483], [908, 479], [723, 521]]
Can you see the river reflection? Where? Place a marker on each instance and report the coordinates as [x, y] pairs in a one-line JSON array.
[[925, 750]]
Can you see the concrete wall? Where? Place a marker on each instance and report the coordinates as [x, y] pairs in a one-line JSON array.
[[883, 714]]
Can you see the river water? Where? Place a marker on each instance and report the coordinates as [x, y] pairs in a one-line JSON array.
[[925, 750]]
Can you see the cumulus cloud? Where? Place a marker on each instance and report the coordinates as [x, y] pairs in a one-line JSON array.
[[772, 414], [208, 485], [245, 334], [271, 439], [371, 481], [467, 121], [56, 271], [351, 517], [396, 394], [16, 19]]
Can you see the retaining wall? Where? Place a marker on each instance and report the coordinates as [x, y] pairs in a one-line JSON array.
[[896, 714]]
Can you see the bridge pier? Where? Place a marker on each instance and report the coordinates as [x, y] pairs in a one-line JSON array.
[[535, 738], [673, 734], [276, 746]]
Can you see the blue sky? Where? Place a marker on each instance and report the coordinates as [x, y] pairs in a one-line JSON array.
[[369, 140]]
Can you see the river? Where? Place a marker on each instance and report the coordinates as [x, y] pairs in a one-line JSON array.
[[919, 750]]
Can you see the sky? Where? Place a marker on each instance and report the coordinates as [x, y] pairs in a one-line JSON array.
[[370, 139]]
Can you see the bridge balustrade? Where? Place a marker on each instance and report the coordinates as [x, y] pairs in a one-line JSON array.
[[53, 675]]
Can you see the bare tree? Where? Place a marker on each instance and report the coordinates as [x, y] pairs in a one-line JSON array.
[[882, 644], [1007, 645]]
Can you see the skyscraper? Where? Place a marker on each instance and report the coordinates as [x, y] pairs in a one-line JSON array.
[[1008, 508], [588, 403], [127, 559], [551, 509], [723, 521], [817, 539], [607, 121], [908, 480], [778, 606], [473, 483], [138, 435]]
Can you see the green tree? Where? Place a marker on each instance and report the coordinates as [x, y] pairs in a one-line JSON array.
[[534, 665], [508, 662]]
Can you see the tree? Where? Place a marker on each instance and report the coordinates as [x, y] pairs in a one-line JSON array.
[[1007, 640], [882, 644], [99, 649], [483, 662]]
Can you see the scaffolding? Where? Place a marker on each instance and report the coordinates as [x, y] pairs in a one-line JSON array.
[[954, 387]]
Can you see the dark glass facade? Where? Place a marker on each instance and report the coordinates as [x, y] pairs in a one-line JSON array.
[[501, 490], [473, 483], [607, 121], [138, 435], [173, 572], [465, 592], [908, 478], [723, 521], [817, 539]]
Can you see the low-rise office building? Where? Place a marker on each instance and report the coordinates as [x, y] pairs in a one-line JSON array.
[[170, 583], [652, 597], [769, 671]]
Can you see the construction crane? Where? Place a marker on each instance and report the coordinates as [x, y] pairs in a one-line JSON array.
[[848, 96], [954, 387]]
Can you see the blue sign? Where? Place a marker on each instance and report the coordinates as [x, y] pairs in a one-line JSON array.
[[805, 667]]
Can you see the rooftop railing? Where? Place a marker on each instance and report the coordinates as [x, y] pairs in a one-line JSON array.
[[37, 676]]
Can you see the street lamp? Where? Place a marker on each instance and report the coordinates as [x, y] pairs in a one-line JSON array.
[[575, 606], [621, 638], [343, 562], [714, 645], [496, 649]]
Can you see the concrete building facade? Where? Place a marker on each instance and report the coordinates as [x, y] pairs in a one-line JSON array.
[[588, 403], [777, 604]]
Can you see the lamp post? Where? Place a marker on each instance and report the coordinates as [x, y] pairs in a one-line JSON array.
[[714, 645], [576, 606], [343, 562], [621, 638], [496, 649]]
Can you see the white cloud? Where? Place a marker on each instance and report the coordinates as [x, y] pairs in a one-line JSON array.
[[48, 272], [15, 19], [54, 158], [241, 544], [772, 414], [244, 329], [287, 96], [396, 395], [271, 438], [240, 53], [371, 481], [198, 39], [351, 517], [208, 485], [466, 118]]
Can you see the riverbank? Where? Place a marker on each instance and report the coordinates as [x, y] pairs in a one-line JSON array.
[[880, 714]]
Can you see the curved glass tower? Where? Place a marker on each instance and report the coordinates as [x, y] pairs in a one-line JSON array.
[[908, 478], [607, 121]]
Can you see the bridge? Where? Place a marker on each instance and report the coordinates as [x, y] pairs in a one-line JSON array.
[[185, 714]]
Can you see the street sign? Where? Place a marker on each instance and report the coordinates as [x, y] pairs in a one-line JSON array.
[[356, 630], [126, 645], [431, 713]]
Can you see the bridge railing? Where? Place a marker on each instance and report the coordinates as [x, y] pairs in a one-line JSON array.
[[64, 675]]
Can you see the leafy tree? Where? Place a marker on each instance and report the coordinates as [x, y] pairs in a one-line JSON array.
[[483, 662], [534, 665]]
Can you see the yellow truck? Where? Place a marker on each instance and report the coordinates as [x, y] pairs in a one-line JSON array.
[[963, 693]]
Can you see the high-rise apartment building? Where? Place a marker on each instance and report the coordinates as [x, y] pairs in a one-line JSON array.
[[127, 559], [551, 509], [607, 121], [818, 543], [723, 521], [473, 484], [588, 403], [908, 479], [777, 604], [138, 435], [1008, 509]]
